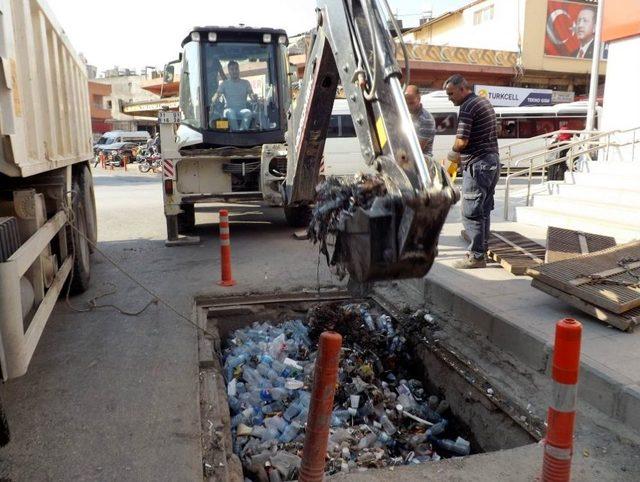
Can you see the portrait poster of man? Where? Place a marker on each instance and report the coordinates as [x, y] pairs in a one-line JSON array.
[[571, 28]]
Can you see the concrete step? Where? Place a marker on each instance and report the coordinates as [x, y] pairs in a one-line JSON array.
[[599, 211], [544, 217], [613, 167], [627, 197], [606, 180]]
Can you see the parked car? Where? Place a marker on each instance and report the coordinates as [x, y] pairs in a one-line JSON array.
[[117, 139]]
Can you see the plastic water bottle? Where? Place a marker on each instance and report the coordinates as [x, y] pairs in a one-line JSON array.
[[234, 404], [276, 422], [291, 411], [270, 434], [273, 407], [367, 441], [368, 320], [290, 432], [437, 429], [278, 366], [387, 425], [266, 371], [460, 446]]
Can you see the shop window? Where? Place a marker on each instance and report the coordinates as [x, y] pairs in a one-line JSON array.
[[334, 127], [446, 123], [507, 129], [483, 15]]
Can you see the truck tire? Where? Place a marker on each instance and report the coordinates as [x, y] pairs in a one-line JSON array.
[[186, 219], [78, 244], [89, 198], [297, 216]]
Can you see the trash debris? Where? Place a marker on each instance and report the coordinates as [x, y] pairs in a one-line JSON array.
[[382, 416], [337, 197]]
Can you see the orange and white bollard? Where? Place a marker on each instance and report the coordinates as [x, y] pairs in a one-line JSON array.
[[558, 444], [316, 436], [225, 250]]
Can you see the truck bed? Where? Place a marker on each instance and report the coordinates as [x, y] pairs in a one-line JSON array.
[[44, 99]]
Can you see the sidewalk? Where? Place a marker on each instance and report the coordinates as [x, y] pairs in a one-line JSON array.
[[521, 320]]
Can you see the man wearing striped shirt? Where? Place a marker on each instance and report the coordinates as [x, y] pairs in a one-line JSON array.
[[476, 147]]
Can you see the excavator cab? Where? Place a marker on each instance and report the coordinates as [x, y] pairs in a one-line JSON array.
[[234, 89]]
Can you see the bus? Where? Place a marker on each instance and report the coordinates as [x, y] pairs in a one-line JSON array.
[[342, 150]]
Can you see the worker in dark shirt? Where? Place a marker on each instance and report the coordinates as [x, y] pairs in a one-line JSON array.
[[476, 147], [423, 121]]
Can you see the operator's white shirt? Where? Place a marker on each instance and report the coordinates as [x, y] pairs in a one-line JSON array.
[[235, 93]]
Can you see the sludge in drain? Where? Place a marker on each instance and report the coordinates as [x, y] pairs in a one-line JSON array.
[[383, 415]]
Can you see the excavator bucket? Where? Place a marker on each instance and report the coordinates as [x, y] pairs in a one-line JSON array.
[[392, 239]]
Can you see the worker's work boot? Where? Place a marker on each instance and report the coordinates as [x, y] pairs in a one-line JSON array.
[[470, 262]]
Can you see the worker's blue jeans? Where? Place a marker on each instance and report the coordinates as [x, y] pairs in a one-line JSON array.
[[479, 181]]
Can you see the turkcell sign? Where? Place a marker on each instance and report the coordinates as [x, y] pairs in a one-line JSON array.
[[514, 96]]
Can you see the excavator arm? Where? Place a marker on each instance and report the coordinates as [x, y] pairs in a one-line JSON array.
[[397, 236]]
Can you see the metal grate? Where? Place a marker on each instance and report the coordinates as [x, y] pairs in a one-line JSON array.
[[609, 279], [626, 321], [9, 237], [515, 252], [566, 243]]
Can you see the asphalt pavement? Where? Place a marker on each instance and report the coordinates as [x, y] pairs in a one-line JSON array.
[[115, 397]]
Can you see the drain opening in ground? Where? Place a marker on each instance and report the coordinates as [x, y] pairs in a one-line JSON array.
[[382, 416]]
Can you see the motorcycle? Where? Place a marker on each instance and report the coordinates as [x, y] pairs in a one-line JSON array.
[[151, 162]]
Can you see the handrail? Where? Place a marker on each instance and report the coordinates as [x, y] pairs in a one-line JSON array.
[[548, 134], [575, 149], [571, 143], [507, 156]]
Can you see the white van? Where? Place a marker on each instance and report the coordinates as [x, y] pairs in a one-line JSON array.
[[116, 139], [342, 150], [342, 156]]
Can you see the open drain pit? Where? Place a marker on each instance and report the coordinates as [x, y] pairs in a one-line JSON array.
[[398, 402]]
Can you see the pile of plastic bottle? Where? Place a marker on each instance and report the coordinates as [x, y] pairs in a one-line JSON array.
[[379, 418]]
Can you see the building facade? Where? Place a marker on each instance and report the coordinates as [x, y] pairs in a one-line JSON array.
[[552, 39], [621, 109], [100, 114], [127, 89]]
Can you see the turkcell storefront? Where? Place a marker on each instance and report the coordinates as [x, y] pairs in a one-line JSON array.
[[502, 96]]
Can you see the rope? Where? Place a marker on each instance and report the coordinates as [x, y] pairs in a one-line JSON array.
[[92, 305]]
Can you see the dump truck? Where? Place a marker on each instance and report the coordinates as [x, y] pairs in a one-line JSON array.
[[47, 204]]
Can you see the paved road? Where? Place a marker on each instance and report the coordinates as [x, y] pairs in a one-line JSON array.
[[113, 397]]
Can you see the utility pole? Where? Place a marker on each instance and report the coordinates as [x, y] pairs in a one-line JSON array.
[[595, 69]]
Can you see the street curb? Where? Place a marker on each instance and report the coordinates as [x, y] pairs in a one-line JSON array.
[[610, 393], [498, 330]]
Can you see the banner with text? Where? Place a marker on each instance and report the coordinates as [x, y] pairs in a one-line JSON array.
[[571, 28], [514, 96]]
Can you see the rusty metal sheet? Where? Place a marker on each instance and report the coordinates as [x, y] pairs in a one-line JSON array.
[[609, 279], [515, 252], [567, 243]]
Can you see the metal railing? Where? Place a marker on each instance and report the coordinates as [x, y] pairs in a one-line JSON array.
[[577, 149]]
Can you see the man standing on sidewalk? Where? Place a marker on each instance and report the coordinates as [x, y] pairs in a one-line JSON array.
[[476, 146], [423, 121]]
